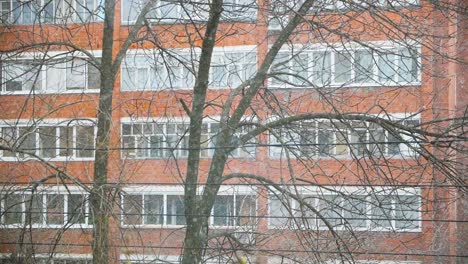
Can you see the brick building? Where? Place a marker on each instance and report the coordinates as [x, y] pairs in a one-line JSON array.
[[365, 91]]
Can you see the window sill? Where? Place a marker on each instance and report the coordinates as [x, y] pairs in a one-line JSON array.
[[39, 92], [364, 85], [37, 226], [184, 21], [355, 229], [12, 159]]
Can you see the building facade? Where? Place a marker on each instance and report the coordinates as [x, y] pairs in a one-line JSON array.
[[351, 149]]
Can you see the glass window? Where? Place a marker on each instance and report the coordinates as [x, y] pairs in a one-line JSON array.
[[76, 209], [55, 209], [66, 141], [76, 74], [26, 140], [382, 208], [246, 210], [386, 66], [175, 210], [322, 67], [21, 75], [223, 210], [278, 211], [85, 141], [358, 133], [354, 211], [154, 209], [325, 138], [330, 210], [13, 209], [47, 139], [132, 208], [376, 140], [364, 69], [408, 65], [300, 70], [407, 210], [343, 67]]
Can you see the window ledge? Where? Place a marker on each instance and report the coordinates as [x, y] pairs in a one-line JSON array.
[[13, 159], [90, 91]]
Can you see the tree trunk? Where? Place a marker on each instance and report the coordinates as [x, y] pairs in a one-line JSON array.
[[99, 203]]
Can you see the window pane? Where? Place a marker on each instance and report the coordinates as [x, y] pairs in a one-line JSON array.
[[330, 210], [246, 210], [354, 211], [280, 66], [85, 141], [55, 209], [300, 70], [128, 145], [341, 139], [377, 140], [27, 140], [364, 66], [382, 211], [342, 67], [154, 209], [278, 212], [175, 210], [9, 137], [76, 73], [307, 136], [34, 208], [66, 141], [13, 209], [56, 76], [47, 139], [94, 77], [325, 138], [223, 211], [407, 212], [76, 209], [386, 64], [132, 209], [358, 138], [408, 66], [322, 67], [128, 82], [156, 146], [220, 76]]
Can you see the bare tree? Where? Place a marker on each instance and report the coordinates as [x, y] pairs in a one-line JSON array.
[[347, 100]]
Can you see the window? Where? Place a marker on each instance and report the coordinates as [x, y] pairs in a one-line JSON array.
[[70, 140], [55, 207], [50, 11], [157, 72], [155, 139], [356, 209], [65, 75], [182, 11], [337, 67], [166, 207], [333, 138]]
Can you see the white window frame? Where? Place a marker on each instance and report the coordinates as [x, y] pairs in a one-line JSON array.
[[46, 64], [179, 152], [368, 192], [377, 48], [278, 152], [71, 13], [196, 17], [74, 124], [43, 191], [189, 56], [172, 190]]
